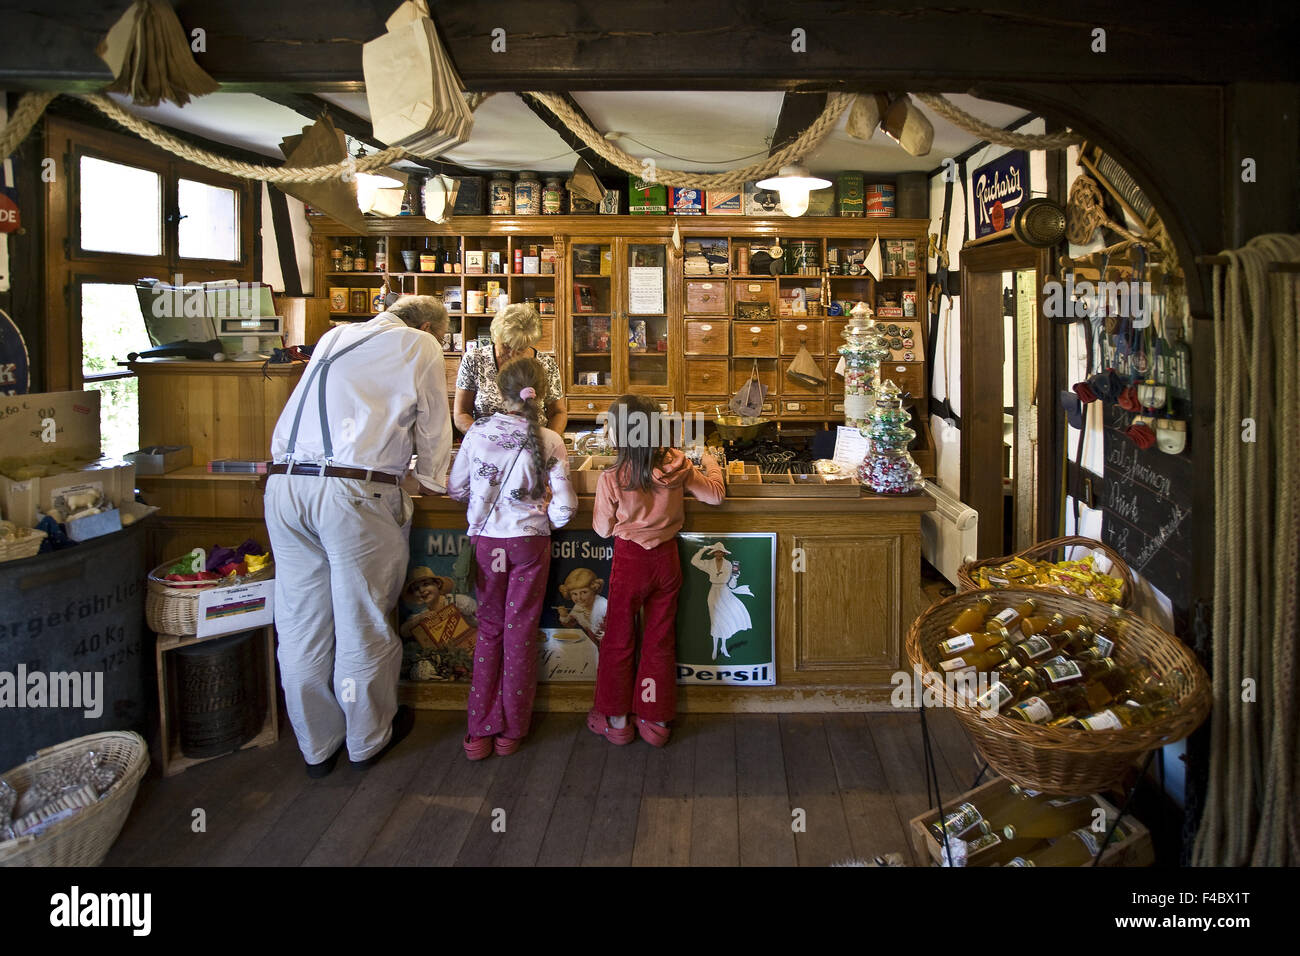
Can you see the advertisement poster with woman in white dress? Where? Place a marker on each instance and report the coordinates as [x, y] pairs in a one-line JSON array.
[[725, 611]]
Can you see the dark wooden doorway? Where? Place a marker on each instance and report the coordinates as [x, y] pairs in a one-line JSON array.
[[987, 347]]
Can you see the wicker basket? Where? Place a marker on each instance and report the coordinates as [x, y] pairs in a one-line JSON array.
[[1057, 759], [172, 607], [1042, 551], [85, 838], [29, 545]]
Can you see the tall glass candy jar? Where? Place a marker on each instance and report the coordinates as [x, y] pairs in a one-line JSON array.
[[888, 468], [863, 351]]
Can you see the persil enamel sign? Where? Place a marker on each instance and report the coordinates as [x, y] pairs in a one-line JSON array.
[[998, 189]]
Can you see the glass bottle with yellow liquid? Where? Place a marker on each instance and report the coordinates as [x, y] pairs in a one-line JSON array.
[[1046, 816], [1076, 848], [1009, 689], [1038, 623], [971, 642], [1060, 671], [1010, 617], [981, 661], [973, 617]]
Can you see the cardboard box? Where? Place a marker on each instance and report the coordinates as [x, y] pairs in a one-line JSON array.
[[160, 459], [724, 202], [645, 199], [48, 426], [21, 500], [821, 202], [338, 299]]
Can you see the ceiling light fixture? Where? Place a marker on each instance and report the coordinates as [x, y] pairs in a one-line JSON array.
[[369, 184], [794, 184]]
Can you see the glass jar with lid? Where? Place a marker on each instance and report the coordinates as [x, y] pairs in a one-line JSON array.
[[528, 195], [552, 196], [888, 468], [863, 351], [501, 194]]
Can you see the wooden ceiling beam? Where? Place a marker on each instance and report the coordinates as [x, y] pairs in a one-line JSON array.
[[798, 110], [602, 167], [704, 44]]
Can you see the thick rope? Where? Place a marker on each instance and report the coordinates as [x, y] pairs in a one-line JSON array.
[[25, 115], [1249, 815], [991, 134], [806, 143]]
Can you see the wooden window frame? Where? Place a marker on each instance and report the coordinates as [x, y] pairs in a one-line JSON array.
[[66, 264]]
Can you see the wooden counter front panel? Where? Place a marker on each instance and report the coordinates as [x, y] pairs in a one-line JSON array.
[[845, 605]]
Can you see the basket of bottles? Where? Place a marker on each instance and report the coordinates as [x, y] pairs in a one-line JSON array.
[[1102, 575], [1057, 692]]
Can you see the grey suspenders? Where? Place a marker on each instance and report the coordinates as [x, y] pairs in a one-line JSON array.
[[322, 368]]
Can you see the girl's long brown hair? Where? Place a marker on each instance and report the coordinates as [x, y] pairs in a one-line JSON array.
[[515, 376], [635, 467]]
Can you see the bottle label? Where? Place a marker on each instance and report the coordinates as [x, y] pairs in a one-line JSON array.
[[1035, 710], [993, 698], [1036, 647], [1103, 720], [1104, 645], [1061, 671], [1006, 616], [954, 664], [1019, 861], [1089, 840], [982, 842], [955, 645]]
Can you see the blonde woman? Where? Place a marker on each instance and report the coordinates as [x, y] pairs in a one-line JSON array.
[[516, 329]]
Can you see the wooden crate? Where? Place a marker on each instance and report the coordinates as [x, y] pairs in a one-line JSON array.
[[1134, 850], [585, 474], [173, 761], [788, 486]]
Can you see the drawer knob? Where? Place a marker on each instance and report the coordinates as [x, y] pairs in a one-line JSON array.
[[754, 340]]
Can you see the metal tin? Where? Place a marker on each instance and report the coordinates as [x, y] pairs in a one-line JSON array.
[[880, 200], [552, 196], [501, 195]]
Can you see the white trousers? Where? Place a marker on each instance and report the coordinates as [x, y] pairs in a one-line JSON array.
[[341, 549]]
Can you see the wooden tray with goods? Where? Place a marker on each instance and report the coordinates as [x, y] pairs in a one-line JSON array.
[[1057, 692], [1000, 823], [1102, 575], [747, 480]]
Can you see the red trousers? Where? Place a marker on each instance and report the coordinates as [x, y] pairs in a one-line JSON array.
[[510, 602], [650, 580]]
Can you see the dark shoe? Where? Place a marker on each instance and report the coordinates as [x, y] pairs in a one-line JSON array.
[[326, 766], [403, 721]]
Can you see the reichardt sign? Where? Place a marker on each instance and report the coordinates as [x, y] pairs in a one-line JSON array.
[[998, 189]]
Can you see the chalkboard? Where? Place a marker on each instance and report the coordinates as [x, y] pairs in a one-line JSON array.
[[1147, 509]]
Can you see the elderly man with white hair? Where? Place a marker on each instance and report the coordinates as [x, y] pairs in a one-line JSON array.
[[373, 394]]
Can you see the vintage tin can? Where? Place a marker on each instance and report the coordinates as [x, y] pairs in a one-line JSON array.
[[848, 187], [501, 195], [880, 201], [528, 195]]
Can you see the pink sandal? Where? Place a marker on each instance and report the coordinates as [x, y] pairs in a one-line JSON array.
[[477, 748], [505, 746], [652, 733], [598, 723]]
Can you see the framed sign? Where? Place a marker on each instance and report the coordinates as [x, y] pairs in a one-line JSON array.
[[573, 617], [726, 611], [437, 617], [14, 361], [998, 189]]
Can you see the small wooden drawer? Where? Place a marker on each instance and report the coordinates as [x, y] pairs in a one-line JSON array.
[[741, 375], [908, 376], [834, 382], [798, 406], [707, 406], [708, 338], [753, 339], [835, 334], [835, 406], [747, 290], [585, 406], [706, 297], [802, 332], [792, 386], [706, 376], [666, 405]]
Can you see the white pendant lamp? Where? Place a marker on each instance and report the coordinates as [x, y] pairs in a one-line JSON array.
[[793, 185]]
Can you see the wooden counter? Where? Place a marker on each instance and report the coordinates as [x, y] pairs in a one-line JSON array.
[[840, 621]]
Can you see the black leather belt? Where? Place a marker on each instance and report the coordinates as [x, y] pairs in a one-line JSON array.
[[329, 471]]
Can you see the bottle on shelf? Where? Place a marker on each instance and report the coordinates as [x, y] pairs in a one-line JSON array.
[[982, 661], [381, 254], [1076, 848], [336, 258], [455, 258], [345, 262], [360, 263], [973, 617], [428, 261], [440, 255]]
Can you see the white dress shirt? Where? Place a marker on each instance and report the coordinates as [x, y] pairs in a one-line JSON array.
[[385, 400]]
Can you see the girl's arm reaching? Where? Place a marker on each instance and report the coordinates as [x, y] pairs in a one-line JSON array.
[[708, 487], [564, 501], [458, 480]]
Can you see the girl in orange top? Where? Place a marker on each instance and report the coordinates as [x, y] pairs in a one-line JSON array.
[[639, 502]]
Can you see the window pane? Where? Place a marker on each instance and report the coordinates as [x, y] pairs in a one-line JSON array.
[[121, 208], [111, 327], [209, 228], [119, 415]]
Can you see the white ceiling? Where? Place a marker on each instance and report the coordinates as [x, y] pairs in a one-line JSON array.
[[698, 131]]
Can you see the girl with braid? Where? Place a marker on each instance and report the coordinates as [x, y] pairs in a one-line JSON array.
[[514, 475]]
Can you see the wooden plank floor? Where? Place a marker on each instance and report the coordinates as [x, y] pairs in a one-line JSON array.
[[749, 790]]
